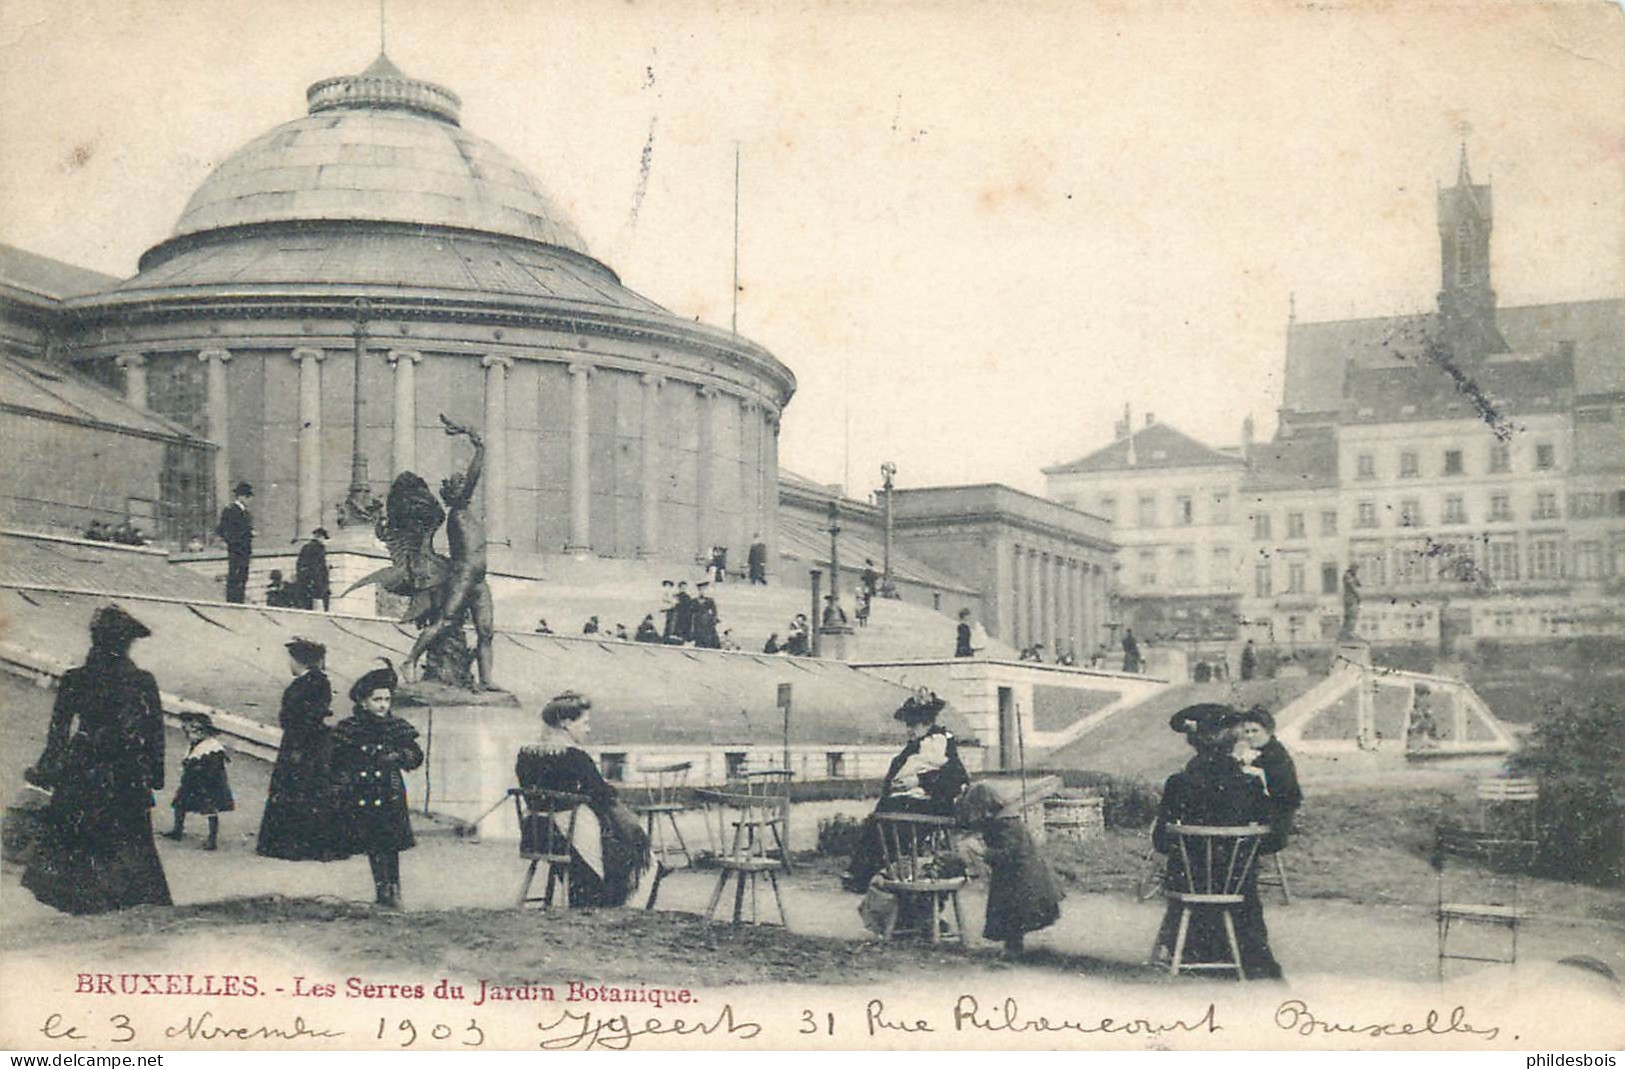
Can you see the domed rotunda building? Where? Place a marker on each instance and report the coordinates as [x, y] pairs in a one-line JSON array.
[[375, 259]]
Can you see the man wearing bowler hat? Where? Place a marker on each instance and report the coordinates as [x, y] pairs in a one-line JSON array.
[[236, 530]]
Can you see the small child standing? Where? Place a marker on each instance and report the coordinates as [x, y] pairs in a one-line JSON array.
[[1023, 894], [204, 788]]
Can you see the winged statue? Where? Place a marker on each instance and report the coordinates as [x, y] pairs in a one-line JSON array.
[[412, 517]]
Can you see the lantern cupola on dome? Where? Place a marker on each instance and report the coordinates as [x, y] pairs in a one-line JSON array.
[[384, 87]]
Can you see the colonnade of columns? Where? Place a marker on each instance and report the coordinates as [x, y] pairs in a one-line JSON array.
[[1058, 601], [755, 488]]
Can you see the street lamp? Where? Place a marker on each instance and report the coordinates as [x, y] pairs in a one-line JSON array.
[[834, 563], [359, 506], [887, 590]]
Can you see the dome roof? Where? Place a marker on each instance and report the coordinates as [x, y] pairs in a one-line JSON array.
[[378, 146]]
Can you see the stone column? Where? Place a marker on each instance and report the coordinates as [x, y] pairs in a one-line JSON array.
[[135, 379], [749, 508], [704, 471], [997, 604], [1015, 630], [770, 489], [1030, 597], [403, 455], [649, 541], [1052, 576], [1075, 611], [580, 542], [309, 452], [495, 477], [218, 405]]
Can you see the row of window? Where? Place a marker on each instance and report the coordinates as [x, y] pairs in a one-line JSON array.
[[1453, 461], [1410, 513], [1148, 509], [1500, 560], [1147, 512]]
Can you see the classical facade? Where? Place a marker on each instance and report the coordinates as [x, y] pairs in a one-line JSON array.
[[1470, 462], [1044, 570], [1172, 505], [339, 282]]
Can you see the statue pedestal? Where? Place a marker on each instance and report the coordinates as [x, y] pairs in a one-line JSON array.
[[1355, 651], [432, 692], [833, 640]]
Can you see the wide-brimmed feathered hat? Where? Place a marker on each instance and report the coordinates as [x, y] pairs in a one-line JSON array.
[[1208, 716], [112, 624], [378, 679], [304, 650], [920, 708]]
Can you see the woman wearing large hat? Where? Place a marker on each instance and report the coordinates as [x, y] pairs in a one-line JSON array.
[[927, 776], [610, 854], [299, 810], [371, 751], [1214, 790], [103, 758]]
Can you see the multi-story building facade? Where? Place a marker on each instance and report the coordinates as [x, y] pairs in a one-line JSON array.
[[1469, 462], [1173, 505]]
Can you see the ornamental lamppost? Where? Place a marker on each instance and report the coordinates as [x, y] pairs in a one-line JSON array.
[[359, 507], [887, 590], [834, 564]]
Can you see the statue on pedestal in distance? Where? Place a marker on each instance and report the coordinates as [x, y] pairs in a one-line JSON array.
[[445, 592]]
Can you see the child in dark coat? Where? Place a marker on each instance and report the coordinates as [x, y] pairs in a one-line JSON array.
[[204, 788], [1023, 894]]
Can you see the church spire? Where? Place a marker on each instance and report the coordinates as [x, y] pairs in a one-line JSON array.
[[1466, 297]]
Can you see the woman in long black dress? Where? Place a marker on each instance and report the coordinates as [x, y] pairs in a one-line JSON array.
[[103, 758], [1213, 790], [926, 777], [298, 821], [609, 861], [371, 750]]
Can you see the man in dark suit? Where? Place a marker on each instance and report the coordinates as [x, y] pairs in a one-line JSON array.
[[757, 560], [680, 627], [703, 617], [310, 572], [236, 530]]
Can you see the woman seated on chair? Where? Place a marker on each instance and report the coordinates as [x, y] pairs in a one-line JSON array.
[[1214, 790], [926, 777], [611, 852]]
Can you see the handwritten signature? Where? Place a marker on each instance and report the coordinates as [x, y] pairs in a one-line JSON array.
[[1294, 1015], [587, 1030]]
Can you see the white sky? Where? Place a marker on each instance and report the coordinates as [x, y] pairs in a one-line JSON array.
[[978, 229]]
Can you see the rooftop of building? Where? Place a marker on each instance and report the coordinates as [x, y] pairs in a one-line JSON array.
[[1437, 387], [1155, 446], [1304, 460], [378, 146], [35, 279], [1319, 355], [49, 389]]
